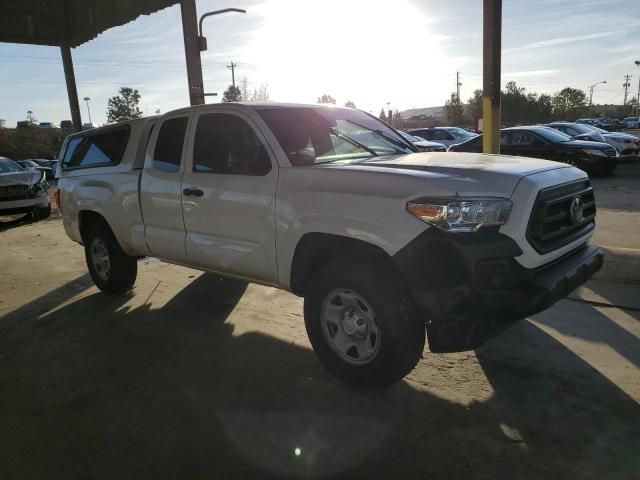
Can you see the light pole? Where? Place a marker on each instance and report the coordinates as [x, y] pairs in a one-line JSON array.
[[202, 41], [86, 99], [591, 87], [637, 62]]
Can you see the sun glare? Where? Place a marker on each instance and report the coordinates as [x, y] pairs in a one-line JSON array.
[[353, 50]]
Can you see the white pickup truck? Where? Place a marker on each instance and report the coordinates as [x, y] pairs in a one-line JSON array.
[[335, 206]]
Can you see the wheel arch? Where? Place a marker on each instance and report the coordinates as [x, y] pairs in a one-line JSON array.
[[316, 249]]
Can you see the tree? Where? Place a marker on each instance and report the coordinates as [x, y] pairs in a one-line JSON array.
[[326, 99], [261, 94], [453, 110], [397, 121], [569, 103], [244, 88], [349, 104], [232, 94], [124, 106], [514, 105], [382, 115], [475, 107]]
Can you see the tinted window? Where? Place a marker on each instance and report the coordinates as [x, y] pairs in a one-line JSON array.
[[552, 135], [168, 153], [226, 144], [504, 138], [522, 139], [426, 134], [441, 135], [103, 148]]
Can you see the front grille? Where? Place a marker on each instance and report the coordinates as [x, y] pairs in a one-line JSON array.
[[551, 226], [14, 192]]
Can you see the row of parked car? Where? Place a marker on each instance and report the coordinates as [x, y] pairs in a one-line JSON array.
[[586, 146], [611, 124]]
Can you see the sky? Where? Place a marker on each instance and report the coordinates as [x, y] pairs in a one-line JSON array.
[[403, 52]]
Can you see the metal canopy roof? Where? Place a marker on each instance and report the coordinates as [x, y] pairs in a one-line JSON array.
[[68, 22]]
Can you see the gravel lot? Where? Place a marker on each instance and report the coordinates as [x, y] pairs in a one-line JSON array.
[[193, 376]]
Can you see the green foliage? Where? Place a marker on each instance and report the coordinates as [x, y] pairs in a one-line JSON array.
[[29, 141], [453, 110], [232, 94], [570, 103], [474, 109], [326, 99], [124, 106], [349, 104]]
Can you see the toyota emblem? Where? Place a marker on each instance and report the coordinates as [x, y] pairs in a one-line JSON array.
[[576, 210]]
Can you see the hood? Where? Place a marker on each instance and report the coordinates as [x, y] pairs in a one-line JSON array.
[[584, 144], [620, 135], [468, 173], [28, 177]]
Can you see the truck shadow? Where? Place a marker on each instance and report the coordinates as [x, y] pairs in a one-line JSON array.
[[97, 389]]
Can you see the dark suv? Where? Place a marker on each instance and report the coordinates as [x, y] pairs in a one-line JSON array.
[[545, 142]]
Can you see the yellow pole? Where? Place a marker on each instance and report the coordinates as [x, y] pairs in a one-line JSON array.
[[492, 36]]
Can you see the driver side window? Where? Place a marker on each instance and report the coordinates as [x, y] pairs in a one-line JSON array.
[[226, 144]]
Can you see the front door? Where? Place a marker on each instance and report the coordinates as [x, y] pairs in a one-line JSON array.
[[229, 188]]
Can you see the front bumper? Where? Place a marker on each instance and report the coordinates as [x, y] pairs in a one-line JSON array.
[[477, 290], [24, 205]]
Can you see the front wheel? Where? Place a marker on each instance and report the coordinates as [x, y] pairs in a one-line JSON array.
[[362, 323], [112, 270]]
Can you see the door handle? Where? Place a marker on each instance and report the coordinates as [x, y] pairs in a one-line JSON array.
[[196, 192]]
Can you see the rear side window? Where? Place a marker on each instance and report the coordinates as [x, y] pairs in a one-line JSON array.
[[98, 149], [168, 153]]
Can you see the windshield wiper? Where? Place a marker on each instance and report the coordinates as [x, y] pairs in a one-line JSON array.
[[389, 138], [353, 142]]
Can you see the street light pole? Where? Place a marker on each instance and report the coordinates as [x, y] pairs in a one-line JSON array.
[[202, 41], [591, 87], [637, 62], [86, 99]]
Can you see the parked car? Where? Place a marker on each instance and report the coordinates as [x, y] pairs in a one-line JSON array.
[[33, 165], [422, 144], [445, 135], [47, 125], [625, 144], [609, 124], [632, 122], [23, 191], [545, 142], [49, 165], [380, 240]]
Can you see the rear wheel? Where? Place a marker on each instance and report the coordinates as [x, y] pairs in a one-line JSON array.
[[112, 270], [362, 323]]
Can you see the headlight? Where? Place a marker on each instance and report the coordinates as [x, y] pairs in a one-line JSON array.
[[461, 214], [598, 153]]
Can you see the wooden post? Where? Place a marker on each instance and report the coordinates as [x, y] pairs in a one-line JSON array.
[[192, 51], [72, 92]]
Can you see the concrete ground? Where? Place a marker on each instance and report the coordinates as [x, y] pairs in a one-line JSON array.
[[193, 376]]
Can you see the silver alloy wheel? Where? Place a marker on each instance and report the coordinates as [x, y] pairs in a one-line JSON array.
[[100, 258], [349, 326]]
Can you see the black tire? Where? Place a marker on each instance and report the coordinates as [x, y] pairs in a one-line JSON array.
[[401, 331], [122, 269], [41, 213]]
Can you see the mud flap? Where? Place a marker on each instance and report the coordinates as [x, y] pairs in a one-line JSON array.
[[457, 335]]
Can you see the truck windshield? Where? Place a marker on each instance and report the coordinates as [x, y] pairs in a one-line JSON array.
[[311, 136]]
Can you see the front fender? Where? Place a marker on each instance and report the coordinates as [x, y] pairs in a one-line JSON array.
[[384, 236]]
